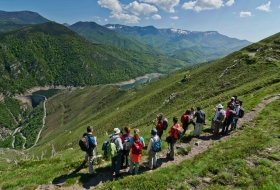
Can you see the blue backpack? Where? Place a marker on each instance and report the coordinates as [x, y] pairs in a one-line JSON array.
[[157, 145]]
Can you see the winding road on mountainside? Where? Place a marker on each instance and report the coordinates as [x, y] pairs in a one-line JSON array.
[[205, 141]]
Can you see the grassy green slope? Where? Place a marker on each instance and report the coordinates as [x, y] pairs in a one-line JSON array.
[[106, 107]]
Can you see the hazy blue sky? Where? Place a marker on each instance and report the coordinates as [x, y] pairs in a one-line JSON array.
[[252, 20]]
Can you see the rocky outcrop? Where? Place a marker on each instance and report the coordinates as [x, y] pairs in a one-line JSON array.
[[4, 133]]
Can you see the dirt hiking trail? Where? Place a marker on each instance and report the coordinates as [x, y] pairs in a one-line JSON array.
[[197, 145]]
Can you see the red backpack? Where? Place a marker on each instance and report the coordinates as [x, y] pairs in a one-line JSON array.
[[137, 147]]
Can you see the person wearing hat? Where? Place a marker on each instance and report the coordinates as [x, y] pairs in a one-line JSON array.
[[152, 154], [219, 117], [116, 161], [232, 102]]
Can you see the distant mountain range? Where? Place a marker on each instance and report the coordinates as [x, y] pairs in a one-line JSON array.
[[99, 34], [190, 46]]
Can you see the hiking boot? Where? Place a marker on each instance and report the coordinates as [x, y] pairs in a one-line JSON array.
[[93, 174]]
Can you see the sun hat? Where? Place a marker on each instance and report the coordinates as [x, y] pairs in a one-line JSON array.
[[220, 106], [116, 131], [153, 132]]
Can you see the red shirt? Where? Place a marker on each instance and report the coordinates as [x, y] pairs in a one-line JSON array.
[[124, 136], [172, 130], [159, 126]]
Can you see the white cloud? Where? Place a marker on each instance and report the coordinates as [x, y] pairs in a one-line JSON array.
[[106, 20], [127, 18], [140, 8], [147, 18], [245, 14], [199, 5], [174, 17], [265, 7], [113, 5], [156, 17], [229, 3], [167, 5]]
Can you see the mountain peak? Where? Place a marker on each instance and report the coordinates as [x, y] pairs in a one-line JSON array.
[[23, 17]]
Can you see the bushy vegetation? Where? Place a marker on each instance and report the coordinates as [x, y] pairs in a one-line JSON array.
[[14, 106], [7, 142], [19, 142], [6, 119], [32, 125]]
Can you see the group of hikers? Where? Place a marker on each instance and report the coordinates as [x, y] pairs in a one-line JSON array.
[[125, 149]]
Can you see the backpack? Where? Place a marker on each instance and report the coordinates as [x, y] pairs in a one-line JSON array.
[[200, 117], [111, 148], [178, 131], [157, 145], [83, 143], [184, 120], [137, 147], [241, 112], [222, 115], [127, 143], [104, 147], [165, 124]]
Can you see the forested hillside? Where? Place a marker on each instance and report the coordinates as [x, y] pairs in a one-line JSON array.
[[52, 54], [101, 34], [18, 19]]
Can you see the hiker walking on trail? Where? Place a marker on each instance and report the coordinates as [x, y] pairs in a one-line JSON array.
[[191, 117], [89, 156], [200, 121], [154, 146], [229, 118], [185, 120], [136, 151], [116, 160], [174, 134], [160, 125], [219, 117], [235, 118], [126, 146]]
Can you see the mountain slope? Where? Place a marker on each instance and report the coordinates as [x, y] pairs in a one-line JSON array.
[[252, 73], [52, 54], [100, 34], [18, 19], [174, 41]]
